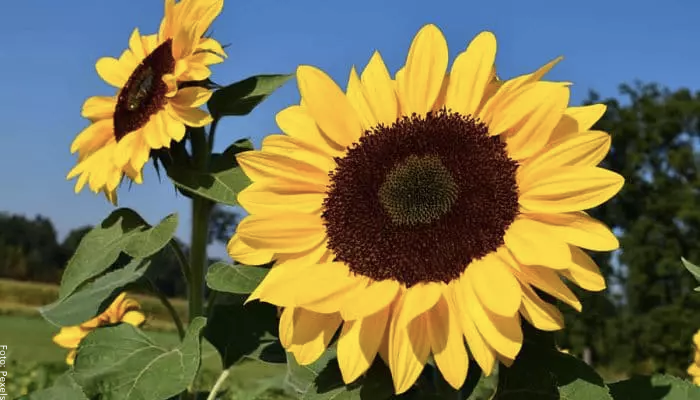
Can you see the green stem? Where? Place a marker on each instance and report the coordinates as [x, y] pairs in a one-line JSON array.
[[181, 259], [199, 238], [219, 382], [212, 132], [163, 299]]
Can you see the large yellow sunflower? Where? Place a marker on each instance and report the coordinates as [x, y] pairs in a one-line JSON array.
[[122, 309], [414, 213], [150, 109]]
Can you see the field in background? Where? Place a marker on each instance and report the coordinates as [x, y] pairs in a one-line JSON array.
[[34, 360]]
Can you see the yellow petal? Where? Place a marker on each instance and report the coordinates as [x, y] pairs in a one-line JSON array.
[[358, 344], [409, 348], [577, 119], [282, 233], [447, 344], [279, 196], [93, 137], [297, 150], [316, 287], [586, 149], [480, 350], [522, 80], [112, 72], [260, 165], [417, 300], [69, 337], [531, 118], [502, 333], [312, 333], [471, 73], [356, 96], [134, 318], [245, 254], [375, 297], [328, 105], [540, 314], [379, 90], [189, 116], [99, 107], [426, 65], [171, 129], [549, 282], [70, 358], [531, 245], [495, 285], [584, 271], [296, 122], [286, 327], [577, 228], [191, 97], [568, 189]]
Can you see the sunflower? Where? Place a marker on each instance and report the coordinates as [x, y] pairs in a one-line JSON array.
[[150, 109], [122, 309], [420, 212], [694, 368]]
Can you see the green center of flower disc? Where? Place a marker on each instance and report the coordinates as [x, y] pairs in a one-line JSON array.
[[419, 190], [144, 92]]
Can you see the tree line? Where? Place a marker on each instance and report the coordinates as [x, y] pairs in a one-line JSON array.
[[643, 324]]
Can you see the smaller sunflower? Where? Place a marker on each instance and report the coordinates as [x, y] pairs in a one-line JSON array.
[[151, 108], [123, 309], [694, 368]]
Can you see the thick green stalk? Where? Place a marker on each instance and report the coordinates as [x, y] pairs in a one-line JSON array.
[[199, 238], [201, 208]]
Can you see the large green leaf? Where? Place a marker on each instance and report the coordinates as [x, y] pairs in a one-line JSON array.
[[221, 183], [242, 97], [122, 231], [237, 330], [64, 388], [655, 387], [94, 297], [541, 372], [240, 279], [121, 362]]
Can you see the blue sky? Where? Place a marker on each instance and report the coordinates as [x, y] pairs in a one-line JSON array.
[[49, 50]]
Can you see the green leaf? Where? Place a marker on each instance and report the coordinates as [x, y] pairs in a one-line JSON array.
[[300, 378], [122, 231], [121, 362], [242, 97], [237, 330], [655, 387], [694, 269], [239, 279], [94, 297], [541, 372], [221, 183], [64, 388], [150, 241]]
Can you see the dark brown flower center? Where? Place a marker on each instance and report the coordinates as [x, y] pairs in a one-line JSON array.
[[417, 201], [144, 92]]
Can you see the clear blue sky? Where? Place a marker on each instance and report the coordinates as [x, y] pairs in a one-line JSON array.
[[50, 47]]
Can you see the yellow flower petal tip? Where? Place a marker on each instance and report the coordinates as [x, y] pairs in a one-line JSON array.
[[395, 215]]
